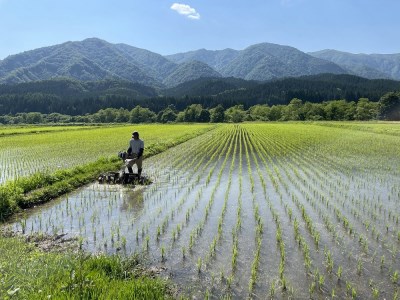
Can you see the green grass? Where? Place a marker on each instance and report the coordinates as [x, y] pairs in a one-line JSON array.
[[27, 273], [6, 130], [380, 127]]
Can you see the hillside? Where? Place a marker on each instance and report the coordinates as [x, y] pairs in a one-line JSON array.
[[189, 71], [96, 60], [73, 97], [371, 66], [260, 62], [315, 88], [217, 59], [89, 60], [208, 87], [269, 61]]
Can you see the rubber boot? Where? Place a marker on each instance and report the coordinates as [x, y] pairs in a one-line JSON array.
[[140, 176], [126, 178]]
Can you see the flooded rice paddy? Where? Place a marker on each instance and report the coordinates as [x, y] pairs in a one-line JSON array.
[[259, 211]]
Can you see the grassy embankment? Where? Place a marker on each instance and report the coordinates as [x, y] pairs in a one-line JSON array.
[[27, 273]]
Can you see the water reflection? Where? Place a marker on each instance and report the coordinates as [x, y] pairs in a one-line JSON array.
[[97, 213], [132, 199]]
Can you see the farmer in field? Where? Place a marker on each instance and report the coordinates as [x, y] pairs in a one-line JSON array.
[[135, 150]]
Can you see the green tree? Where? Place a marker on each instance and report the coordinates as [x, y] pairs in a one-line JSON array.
[[34, 118], [122, 116], [217, 114], [204, 116], [339, 110], [192, 113], [275, 113], [389, 107], [313, 111], [107, 115], [142, 115], [293, 110], [167, 115], [366, 110], [57, 118], [235, 114], [259, 112]]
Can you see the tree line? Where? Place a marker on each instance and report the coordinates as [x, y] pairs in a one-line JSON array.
[[70, 97], [387, 108]]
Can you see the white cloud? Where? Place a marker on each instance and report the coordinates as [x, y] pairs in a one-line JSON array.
[[186, 10]]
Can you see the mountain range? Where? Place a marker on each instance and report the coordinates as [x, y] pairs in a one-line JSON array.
[[94, 60]]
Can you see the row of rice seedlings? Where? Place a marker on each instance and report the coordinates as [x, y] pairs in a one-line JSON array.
[[298, 236], [329, 262], [361, 238], [212, 249], [176, 230], [263, 155], [238, 223], [197, 230], [142, 235], [179, 226], [179, 204], [187, 159], [170, 214], [258, 220], [328, 258], [374, 217], [210, 159]]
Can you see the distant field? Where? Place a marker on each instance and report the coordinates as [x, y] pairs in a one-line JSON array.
[[11, 130], [258, 210], [391, 128], [24, 151]]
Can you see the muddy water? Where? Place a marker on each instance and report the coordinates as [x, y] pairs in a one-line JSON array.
[[196, 202]]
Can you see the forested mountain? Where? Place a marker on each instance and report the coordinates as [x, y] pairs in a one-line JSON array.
[[89, 60], [78, 98], [260, 62], [209, 87], [154, 64], [72, 96], [268, 61], [366, 65], [94, 59], [97, 60], [214, 58], [315, 88], [65, 87], [189, 71]]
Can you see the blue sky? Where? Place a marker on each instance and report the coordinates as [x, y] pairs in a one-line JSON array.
[[167, 27]]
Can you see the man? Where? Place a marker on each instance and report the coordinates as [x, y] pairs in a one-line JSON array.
[[136, 147]]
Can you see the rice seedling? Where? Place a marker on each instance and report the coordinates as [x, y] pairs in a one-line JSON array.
[[395, 277], [199, 265]]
